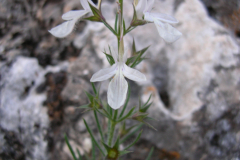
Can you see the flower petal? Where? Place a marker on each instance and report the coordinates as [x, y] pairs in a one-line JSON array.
[[140, 8], [74, 14], [149, 5], [167, 32], [163, 17], [63, 29], [117, 91], [133, 74], [85, 4], [104, 74]]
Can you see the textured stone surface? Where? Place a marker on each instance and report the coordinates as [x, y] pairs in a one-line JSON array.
[[194, 82]]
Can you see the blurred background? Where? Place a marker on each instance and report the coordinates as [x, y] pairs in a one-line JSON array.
[[195, 81]]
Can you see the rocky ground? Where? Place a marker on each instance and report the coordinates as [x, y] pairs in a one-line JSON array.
[[195, 81]]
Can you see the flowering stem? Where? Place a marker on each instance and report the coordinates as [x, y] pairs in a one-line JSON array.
[[112, 128]]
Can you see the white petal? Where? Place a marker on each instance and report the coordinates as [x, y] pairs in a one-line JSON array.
[[164, 17], [117, 91], [63, 29], [149, 5], [133, 74], [140, 8], [114, 54], [148, 17], [167, 32], [74, 14], [85, 4], [104, 74]]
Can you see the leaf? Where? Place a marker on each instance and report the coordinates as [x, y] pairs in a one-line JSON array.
[[129, 114], [94, 88], [134, 52], [145, 108], [150, 154], [140, 53], [124, 152], [90, 97], [70, 147], [110, 59], [139, 135], [79, 155], [131, 133], [94, 19], [86, 106], [116, 22], [95, 11], [93, 151], [124, 27], [94, 140], [116, 145]]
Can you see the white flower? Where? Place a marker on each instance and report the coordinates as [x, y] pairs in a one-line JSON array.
[[72, 17], [165, 30], [118, 86]]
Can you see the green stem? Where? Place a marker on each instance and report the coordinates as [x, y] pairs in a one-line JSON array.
[[111, 128]]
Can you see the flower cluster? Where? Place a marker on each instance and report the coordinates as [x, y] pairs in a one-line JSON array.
[[143, 14]]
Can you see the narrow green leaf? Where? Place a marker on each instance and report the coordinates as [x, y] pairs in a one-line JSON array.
[[79, 155], [126, 103], [95, 11], [70, 147], [94, 88], [98, 125], [110, 59], [106, 147], [93, 18], [134, 52], [109, 27], [104, 113], [91, 134], [124, 152], [150, 154], [124, 27], [93, 151], [149, 125], [131, 60], [116, 22], [139, 135], [129, 114], [86, 106], [147, 101], [116, 145], [145, 108], [90, 97], [140, 53], [130, 133], [129, 30]]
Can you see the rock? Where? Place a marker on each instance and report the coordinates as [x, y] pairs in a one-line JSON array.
[[204, 46], [21, 107]]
